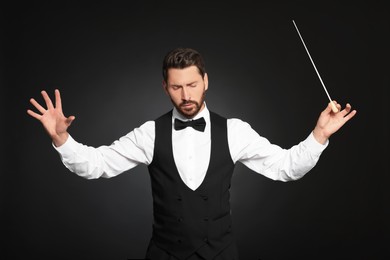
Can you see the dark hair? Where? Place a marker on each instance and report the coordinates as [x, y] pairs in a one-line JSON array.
[[181, 58]]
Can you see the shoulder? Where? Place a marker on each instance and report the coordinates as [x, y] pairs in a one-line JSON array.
[[145, 130], [147, 125], [241, 131], [236, 124]]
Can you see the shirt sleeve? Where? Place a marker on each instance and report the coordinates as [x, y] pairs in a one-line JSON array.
[[108, 161], [270, 160]]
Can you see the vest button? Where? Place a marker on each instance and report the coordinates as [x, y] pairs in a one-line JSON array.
[[206, 219], [179, 241], [205, 198], [206, 239], [180, 219], [179, 199]]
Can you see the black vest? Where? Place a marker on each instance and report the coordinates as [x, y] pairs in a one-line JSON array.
[[188, 221]]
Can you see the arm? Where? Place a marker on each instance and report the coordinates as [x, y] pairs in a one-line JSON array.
[[109, 160], [276, 163], [90, 162], [260, 155]]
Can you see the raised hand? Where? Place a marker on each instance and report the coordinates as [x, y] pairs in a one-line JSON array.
[[52, 118], [329, 122]]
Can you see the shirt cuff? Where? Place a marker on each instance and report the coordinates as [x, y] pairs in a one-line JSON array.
[[313, 145], [67, 148]]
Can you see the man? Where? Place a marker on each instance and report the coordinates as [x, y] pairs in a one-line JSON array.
[[190, 152]]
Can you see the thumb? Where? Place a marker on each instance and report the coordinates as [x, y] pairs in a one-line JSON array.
[[328, 109], [69, 120]]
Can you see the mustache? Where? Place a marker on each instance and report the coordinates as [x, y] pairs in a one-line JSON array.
[[186, 102]]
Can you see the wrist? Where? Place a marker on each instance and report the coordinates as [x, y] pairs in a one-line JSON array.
[[320, 136], [60, 139]]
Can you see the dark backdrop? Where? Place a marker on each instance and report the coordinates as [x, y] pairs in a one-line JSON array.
[[106, 60]]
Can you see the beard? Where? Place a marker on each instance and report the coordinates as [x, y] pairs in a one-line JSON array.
[[190, 112]]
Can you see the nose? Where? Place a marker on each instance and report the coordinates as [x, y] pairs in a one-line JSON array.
[[185, 95]]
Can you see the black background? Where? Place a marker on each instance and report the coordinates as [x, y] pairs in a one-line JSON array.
[[106, 60]]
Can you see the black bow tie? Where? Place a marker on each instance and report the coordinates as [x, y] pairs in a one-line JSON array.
[[198, 124]]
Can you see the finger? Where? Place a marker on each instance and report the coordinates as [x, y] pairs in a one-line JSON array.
[[338, 107], [328, 108], [69, 120], [58, 99], [334, 107], [350, 115], [33, 114], [346, 110], [47, 99], [37, 105]]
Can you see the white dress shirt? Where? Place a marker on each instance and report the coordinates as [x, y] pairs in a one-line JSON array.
[[191, 152]]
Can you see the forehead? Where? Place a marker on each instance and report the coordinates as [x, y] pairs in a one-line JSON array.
[[176, 76]]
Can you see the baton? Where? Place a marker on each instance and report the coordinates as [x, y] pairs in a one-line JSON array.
[[334, 108]]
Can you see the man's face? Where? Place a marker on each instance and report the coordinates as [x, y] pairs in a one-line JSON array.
[[187, 90]]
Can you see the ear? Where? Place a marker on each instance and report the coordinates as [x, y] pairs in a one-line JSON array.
[[206, 81]]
